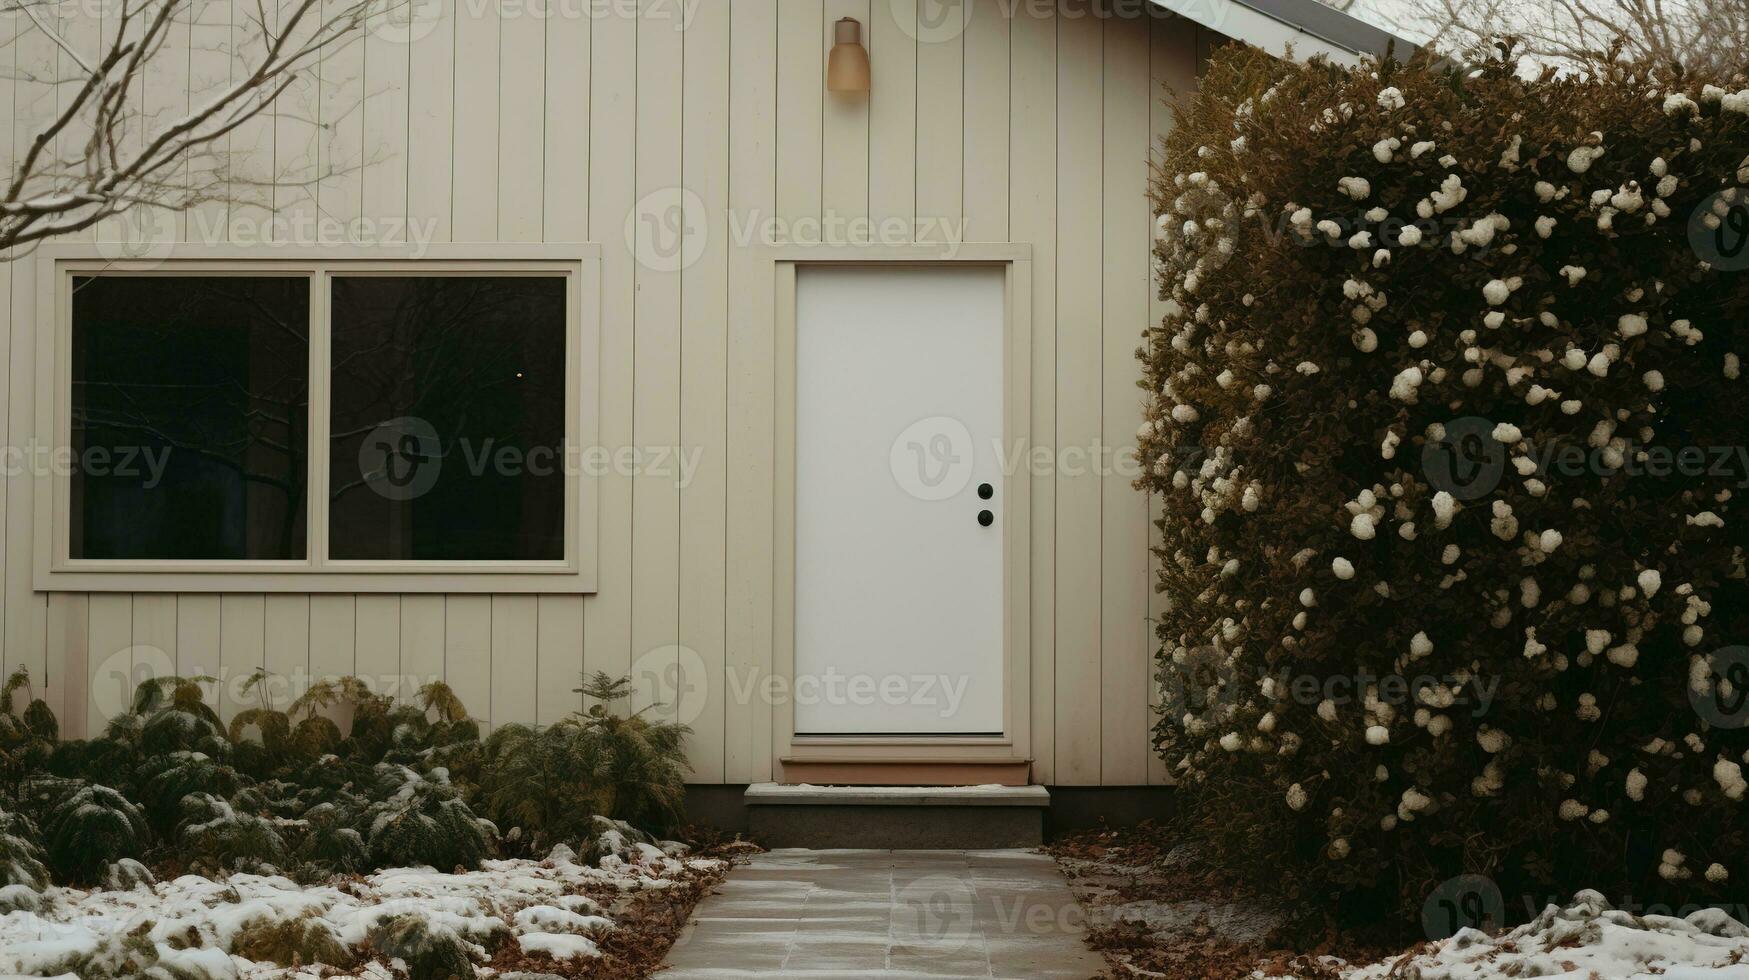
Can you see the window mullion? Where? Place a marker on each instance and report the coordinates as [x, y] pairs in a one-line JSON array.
[[321, 340]]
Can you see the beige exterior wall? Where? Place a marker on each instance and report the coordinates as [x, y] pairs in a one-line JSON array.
[[507, 127]]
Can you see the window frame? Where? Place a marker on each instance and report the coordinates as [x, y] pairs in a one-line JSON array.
[[316, 572]]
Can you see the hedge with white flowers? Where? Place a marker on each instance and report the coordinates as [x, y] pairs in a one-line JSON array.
[[1447, 423]]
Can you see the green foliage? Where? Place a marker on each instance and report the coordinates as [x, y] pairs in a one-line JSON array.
[[417, 819], [217, 837], [432, 951], [293, 791], [1383, 282], [332, 844], [541, 781], [167, 780], [21, 858], [92, 828], [640, 765]]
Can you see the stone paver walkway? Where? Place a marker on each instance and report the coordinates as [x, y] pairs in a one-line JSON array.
[[891, 914]]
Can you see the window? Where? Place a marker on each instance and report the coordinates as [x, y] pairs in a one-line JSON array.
[[354, 422]]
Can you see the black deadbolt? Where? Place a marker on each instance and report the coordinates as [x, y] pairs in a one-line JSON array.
[[986, 491], [985, 518]]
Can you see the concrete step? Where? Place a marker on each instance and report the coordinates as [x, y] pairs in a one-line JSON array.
[[897, 817]]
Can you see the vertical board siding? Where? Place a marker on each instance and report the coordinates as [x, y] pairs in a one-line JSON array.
[[754, 165], [892, 120], [1032, 217], [677, 145], [612, 176], [1123, 551], [662, 246], [698, 685], [242, 649], [377, 643], [1079, 374], [941, 120], [474, 185], [989, 79]]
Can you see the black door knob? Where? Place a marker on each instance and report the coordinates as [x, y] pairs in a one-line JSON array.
[[986, 491], [985, 518]]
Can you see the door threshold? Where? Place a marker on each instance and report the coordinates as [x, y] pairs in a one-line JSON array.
[[941, 771]]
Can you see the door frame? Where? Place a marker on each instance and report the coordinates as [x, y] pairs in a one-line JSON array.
[[780, 263]]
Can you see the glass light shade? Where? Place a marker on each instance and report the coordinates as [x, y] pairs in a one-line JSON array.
[[847, 66]]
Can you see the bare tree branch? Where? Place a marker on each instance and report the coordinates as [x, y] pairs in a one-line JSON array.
[[127, 156]]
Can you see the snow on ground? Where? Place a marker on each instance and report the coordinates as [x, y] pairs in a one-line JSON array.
[[198, 923], [1585, 940]]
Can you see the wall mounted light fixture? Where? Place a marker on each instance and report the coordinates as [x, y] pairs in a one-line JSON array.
[[847, 66]]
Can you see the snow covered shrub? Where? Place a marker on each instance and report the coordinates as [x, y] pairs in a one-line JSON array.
[[165, 782], [126, 875], [92, 828], [430, 949], [1447, 424], [26, 738], [422, 820], [330, 844], [21, 857], [217, 838], [170, 714]]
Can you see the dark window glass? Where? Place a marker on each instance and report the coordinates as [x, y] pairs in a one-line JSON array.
[[190, 414], [448, 421]]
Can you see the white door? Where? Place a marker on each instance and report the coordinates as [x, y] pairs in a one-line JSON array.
[[899, 495]]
